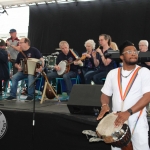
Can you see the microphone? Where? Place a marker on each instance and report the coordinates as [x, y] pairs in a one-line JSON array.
[[5, 12], [56, 53]]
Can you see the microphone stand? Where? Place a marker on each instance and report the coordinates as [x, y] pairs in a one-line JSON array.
[[33, 122]]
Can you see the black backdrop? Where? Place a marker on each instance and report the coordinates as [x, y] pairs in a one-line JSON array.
[[78, 22]]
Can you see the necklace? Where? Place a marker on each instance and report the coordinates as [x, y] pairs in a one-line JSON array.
[[128, 74]]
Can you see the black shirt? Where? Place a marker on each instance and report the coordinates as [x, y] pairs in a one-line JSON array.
[[89, 62], [143, 64], [4, 71], [32, 52], [110, 66], [69, 58]]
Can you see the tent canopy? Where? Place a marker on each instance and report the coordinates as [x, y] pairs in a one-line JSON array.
[[4, 4]]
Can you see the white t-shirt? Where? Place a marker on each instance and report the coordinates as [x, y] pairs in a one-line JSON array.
[[140, 86]]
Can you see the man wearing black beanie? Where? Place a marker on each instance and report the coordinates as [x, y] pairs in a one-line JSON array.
[[129, 87]]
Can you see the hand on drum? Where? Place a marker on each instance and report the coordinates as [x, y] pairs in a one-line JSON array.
[[57, 68], [104, 110], [122, 117]]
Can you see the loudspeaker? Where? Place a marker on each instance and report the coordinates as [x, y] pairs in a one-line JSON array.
[[85, 99]]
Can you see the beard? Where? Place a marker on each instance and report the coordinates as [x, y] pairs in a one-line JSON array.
[[131, 62]]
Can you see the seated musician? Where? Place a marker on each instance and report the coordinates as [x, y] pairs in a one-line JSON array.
[[143, 47], [67, 55], [29, 52], [91, 61], [105, 63], [130, 94], [4, 73]]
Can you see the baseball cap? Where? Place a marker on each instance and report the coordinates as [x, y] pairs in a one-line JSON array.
[[12, 30]]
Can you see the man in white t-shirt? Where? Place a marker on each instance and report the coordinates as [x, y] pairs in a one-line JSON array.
[[136, 99]]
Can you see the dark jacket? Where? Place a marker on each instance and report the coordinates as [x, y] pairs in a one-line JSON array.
[[4, 71]]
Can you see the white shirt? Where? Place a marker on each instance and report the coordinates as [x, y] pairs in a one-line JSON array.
[[140, 86]]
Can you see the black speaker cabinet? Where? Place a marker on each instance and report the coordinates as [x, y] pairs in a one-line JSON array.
[[85, 99]]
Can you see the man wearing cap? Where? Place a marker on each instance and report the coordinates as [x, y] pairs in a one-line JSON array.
[[129, 87], [13, 47], [143, 47], [4, 72]]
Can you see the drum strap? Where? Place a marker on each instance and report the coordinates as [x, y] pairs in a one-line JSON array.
[[130, 83]]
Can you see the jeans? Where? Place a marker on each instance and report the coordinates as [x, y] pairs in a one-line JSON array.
[[98, 77], [20, 76], [89, 76], [67, 78]]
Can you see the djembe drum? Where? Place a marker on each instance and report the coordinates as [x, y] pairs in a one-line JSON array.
[[121, 135]]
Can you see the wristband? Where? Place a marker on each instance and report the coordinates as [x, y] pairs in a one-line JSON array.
[[130, 111]]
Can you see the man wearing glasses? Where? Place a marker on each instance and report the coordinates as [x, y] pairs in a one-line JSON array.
[[143, 47], [29, 52], [129, 87]]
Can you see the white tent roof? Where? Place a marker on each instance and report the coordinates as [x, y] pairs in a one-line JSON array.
[[4, 4]]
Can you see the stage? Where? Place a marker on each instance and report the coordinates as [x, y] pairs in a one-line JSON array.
[[55, 128]]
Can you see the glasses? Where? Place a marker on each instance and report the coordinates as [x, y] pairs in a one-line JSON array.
[[131, 52]]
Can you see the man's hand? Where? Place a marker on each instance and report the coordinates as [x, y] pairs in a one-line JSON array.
[[104, 109], [57, 68], [122, 117], [19, 68], [39, 69], [78, 62], [8, 44], [87, 55]]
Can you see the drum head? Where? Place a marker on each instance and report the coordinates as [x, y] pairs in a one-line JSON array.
[[106, 126]]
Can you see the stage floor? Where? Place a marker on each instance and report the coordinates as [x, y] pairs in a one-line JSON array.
[[55, 127]]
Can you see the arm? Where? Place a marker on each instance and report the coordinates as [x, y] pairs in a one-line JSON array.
[[42, 61], [96, 61], [123, 116], [3, 56], [106, 61], [105, 106], [17, 48]]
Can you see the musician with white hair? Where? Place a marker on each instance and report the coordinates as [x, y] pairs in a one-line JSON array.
[[68, 57], [91, 61], [143, 47], [26, 53]]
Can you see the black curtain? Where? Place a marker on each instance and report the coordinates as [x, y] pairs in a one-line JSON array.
[[79, 21]]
